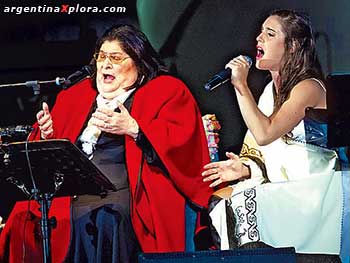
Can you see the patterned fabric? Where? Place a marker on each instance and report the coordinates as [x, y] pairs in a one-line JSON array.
[[246, 224], [211, 127]]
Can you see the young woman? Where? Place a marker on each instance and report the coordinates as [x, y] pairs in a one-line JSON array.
[[285, 189]]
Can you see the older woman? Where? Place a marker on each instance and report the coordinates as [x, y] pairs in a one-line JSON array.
[[286, 189], [139, 128]]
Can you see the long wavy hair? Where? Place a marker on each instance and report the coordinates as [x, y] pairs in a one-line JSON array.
[[299, 61], [137, 46]]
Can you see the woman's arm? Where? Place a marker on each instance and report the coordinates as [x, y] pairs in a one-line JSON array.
[[266, 129], [306, 94]]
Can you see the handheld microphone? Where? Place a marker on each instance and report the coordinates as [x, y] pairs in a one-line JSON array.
[[77, 76], [222, 77]]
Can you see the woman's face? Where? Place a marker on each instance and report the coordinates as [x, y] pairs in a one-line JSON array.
[[116, 71], [270, 46]]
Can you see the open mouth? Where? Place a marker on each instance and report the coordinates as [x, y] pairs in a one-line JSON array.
[[108, 78], [259, 52]]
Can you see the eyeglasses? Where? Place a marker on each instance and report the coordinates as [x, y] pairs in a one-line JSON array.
[[115, 58]]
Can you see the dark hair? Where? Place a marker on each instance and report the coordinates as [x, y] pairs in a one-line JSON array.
[[136, 45], [299, 61]]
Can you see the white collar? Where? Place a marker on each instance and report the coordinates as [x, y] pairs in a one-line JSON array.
[[113, 104]]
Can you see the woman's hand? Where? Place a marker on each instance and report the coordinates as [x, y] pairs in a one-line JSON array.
[[45, 123], [225, 171], [239, 72], [110, 121]]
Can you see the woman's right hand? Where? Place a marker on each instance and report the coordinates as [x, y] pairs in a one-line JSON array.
[[225, 171], [239, 72], [45, 122]]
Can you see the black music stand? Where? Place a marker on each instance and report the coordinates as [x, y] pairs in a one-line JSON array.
[[58, 168]]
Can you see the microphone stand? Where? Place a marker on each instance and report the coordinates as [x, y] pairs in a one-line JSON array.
[[43, 198], [51, 168], [35, 84]]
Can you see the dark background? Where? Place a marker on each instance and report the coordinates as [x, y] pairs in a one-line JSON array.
[[196, 38], [42, 46]]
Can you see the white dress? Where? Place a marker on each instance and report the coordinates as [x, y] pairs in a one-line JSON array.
[[297, 203]]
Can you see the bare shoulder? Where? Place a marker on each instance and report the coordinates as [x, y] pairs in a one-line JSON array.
[[310, 85], [312, 92]]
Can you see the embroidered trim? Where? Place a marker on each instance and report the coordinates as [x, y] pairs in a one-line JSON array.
[[250, 151], [240, 230], [256, 156], [250, 205], [246, 229]]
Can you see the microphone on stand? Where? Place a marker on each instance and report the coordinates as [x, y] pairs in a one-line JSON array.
[[58, 81], [77, 76], [65, 83], [222, 77]]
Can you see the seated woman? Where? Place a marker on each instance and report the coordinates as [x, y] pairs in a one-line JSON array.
[[286, 190], [140, 127]]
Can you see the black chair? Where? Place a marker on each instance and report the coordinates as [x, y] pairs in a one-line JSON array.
[[338, 104]]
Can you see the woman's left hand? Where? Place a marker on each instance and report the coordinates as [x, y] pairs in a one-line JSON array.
[[225, 171], [119, 123]]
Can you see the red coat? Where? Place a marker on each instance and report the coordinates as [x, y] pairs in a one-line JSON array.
[[169, 117]]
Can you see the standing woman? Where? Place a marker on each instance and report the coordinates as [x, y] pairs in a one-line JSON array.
[[285, 189], [140, 127]]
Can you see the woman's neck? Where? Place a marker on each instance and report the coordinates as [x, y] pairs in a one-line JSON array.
[[112, 95], [276, 78]]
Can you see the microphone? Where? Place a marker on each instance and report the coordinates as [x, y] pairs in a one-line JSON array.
[[35, 84], [77, 76], [222, 77], [65, 83]]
